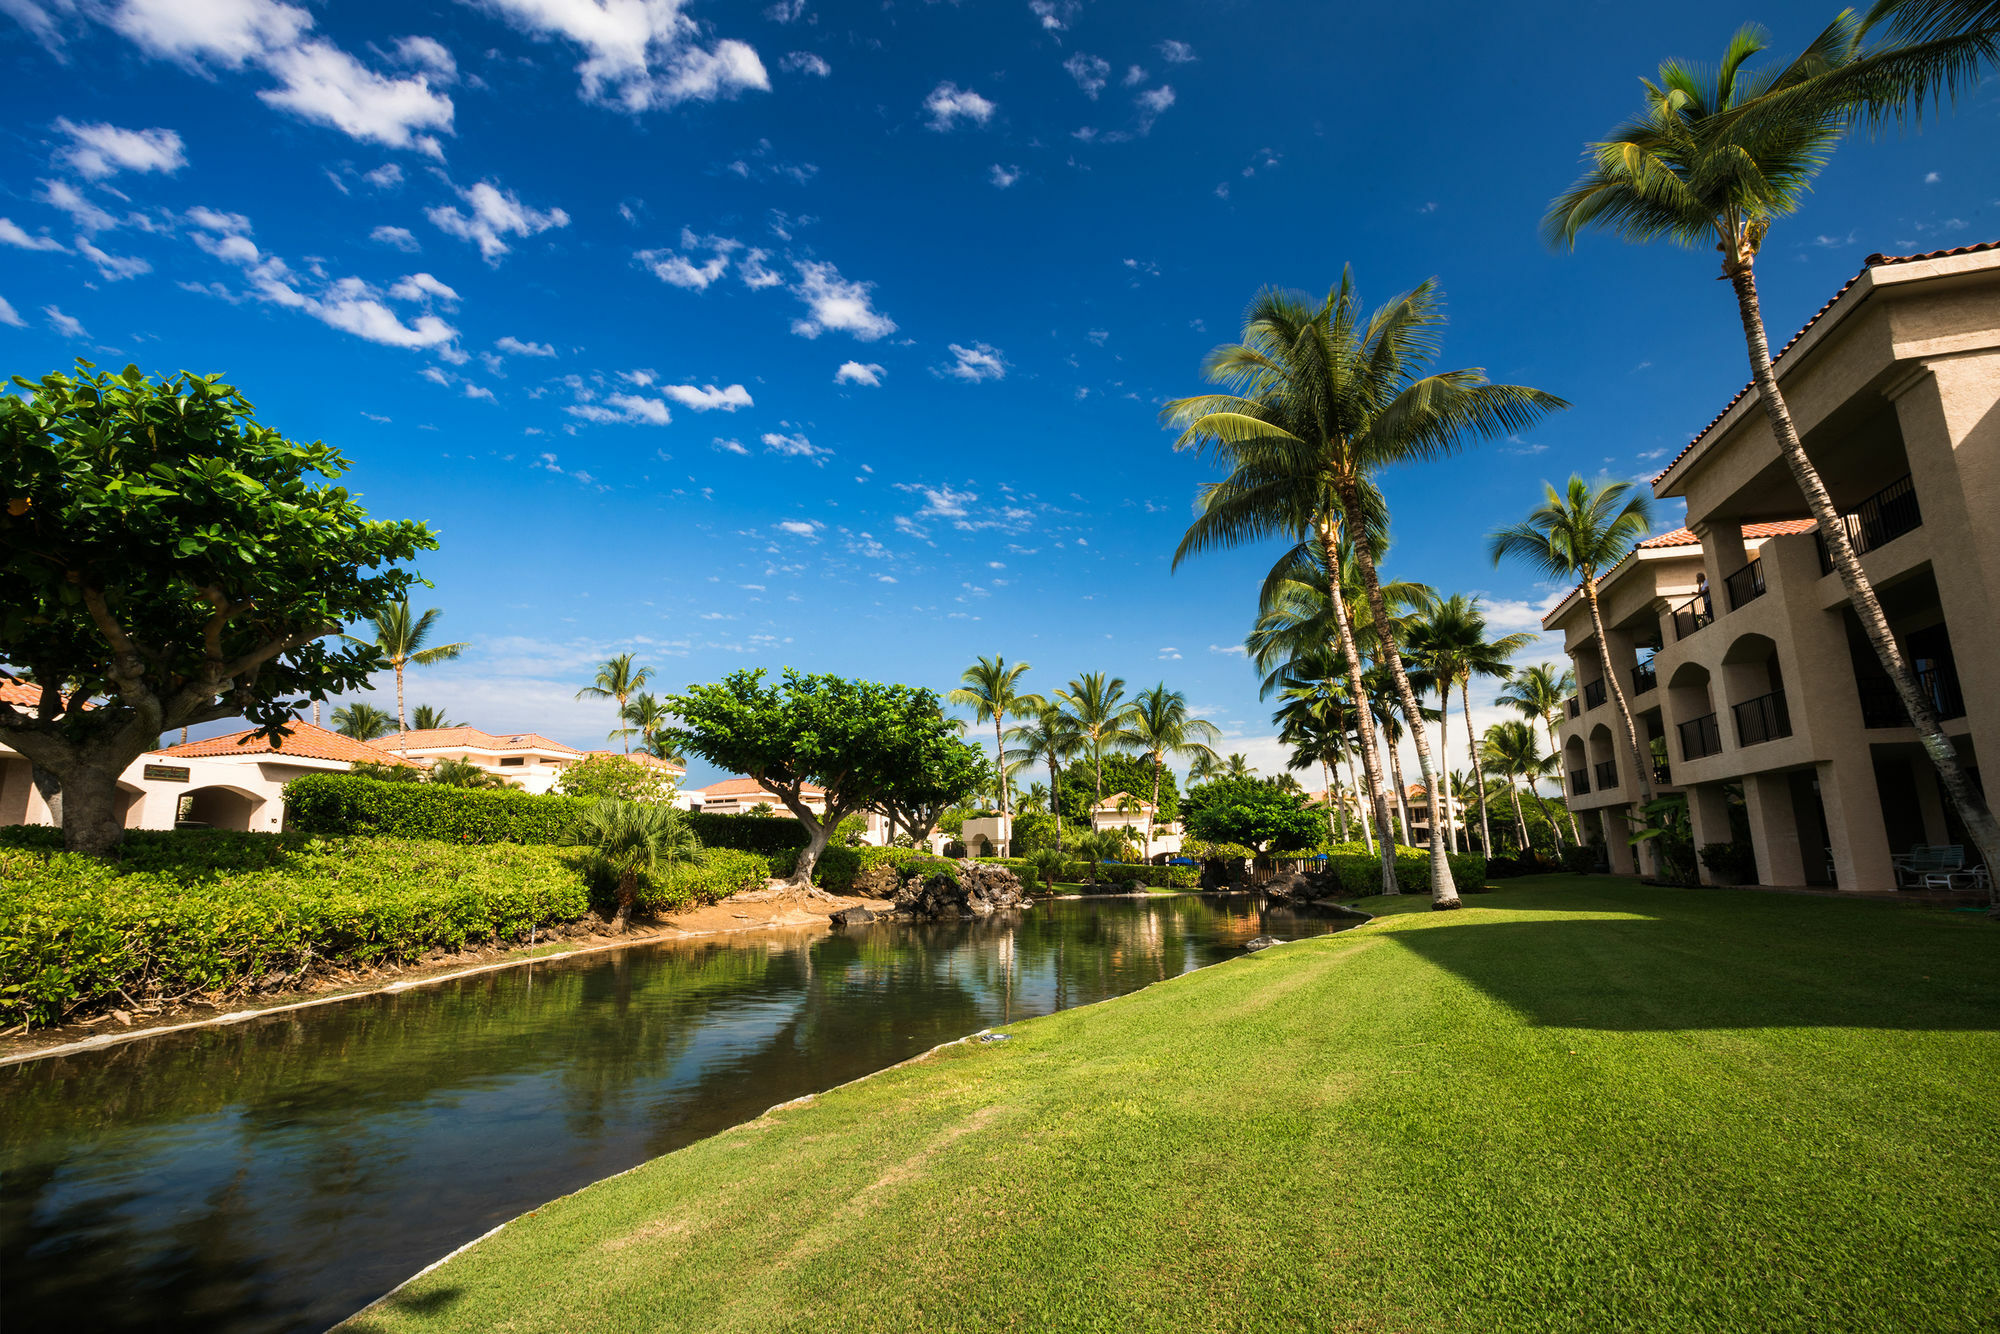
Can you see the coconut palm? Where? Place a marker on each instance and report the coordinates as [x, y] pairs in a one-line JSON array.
[[402, 637], [1047, 865], [428, 718], [1161, 727], [1048, 736], [646, 718], [992, 690], [1325, 397], [1454, 644], [1237, 765], [1097, 847], [1100, 715], [363, 722], [1207, 768], [1314, 721], [630, 838], [1538, 693], [1513, 753], [618, 680], [462, 773], [1036, 798], [1715, 158]]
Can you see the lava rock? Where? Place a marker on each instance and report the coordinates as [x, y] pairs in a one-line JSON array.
[[1262, 943], [976, 890], [851, 917]]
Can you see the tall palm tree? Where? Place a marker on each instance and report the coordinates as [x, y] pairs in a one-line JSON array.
[[363, 722], [428, 718], [1715, 158], [646, 718], [1513, 752], [1101, 717], [1237, 765], [1160, 726], [618, 680], [1537, 693], [402, 637], [1576, 534], [1457, 647], [1048, 736], [1205, 769], [1323, 398], [992, 690]]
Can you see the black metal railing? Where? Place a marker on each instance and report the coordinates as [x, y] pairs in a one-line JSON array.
[[1700, 737], [1644, 678], [1606, 774], [1876, 521], [1746, 585], [1593, 693], [1693, 614], [1575, 706], [1762, 719], [1663, 773], [1579, 782], [1881, 706]]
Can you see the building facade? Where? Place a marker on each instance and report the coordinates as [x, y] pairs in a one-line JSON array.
[[1754, 691]]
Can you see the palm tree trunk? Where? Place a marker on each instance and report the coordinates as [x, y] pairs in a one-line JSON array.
[[1642, 772], [402, 741], [1000, 767], [1973, 811], [628, 891], [1402, 798], [1478, 771], [1520, 820], [1555, 830], [1441, 799], [1443, 893], [1555, 748], [1360, 807], [1371, 761]]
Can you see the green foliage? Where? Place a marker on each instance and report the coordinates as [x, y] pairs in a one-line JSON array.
[[1667, 826], [839, 866], [1579, 860], [1076, 794], [1360, 872], [1733, 862], [1072, 872], [1044, 867], [363, 722], [213, 912], [1034, 831], [1243, 810], [629, 839], [615, 776], [465, 774], [387, 773]]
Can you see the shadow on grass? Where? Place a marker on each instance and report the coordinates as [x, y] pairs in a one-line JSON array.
[[1709, 959], [409, 1303]]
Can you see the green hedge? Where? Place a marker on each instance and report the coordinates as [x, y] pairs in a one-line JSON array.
[[201, 912], [728, 871], [838, 867], [1077, 873], [1360, 871]]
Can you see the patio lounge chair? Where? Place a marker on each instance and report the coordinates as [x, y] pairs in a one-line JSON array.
[[1925, 860], [1972, 878]]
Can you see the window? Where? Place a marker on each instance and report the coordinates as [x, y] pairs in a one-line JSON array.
[[507, 761]]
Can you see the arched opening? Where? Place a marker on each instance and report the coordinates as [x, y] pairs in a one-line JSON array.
[[1577, 764], [1691, 706], [1755, 689], [218, 808], [1604, 766]]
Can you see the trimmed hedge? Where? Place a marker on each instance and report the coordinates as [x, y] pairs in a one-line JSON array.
[[1360, 871], [1108, 873], [838, 867]]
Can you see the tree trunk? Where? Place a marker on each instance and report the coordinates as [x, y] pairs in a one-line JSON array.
[[1555, 748], [1402, 797], [402, 743], [1520, 820], [1555, 830], [628, 891], [89, 814], [50, 787], [1371, 760], [1000, 768], [1642, 772], [1478, 770], [1360, 807], [1444, 894], [1441, 799], [1973, 811]]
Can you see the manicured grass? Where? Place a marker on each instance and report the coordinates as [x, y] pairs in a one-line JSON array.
[[1575, 1105]]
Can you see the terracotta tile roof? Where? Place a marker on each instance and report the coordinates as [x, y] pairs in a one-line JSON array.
[[1872, 262], [296, 738], [1110, 802], [24, 694], [746, 787], [640, 756], [447, 738], [1685, 537]]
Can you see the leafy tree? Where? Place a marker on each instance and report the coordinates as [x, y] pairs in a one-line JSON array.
[[1047, 865], [617, 679], [992, 690], [863, 743], [427, 718], [386, 772], [631, 838], [463, 773], [1035, 830], [401, 638], [1127, 773], [1254, 814], [1716, 157], [617, 777], [363, 722], [169, 560], [943, 772]]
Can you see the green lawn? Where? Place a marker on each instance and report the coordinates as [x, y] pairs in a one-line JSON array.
[[1575, 1105]]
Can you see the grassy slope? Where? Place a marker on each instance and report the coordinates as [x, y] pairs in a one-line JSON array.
[[1577, 1105]]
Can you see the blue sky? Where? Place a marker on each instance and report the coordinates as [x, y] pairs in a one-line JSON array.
[[834, 335]]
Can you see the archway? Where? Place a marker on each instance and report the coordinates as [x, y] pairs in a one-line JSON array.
[[1755, 689], [1605, 771], [218, 808], [1691, 710]]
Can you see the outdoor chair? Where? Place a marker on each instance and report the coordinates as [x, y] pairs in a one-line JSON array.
[[1973, 878], [1914, 867]]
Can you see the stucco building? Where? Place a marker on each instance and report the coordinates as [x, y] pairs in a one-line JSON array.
[[1754, 690]]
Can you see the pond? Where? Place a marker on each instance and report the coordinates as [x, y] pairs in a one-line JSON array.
[[278, 1174]]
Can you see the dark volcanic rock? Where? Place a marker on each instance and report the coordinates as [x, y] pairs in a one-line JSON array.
[[851, 917], [1262, 943], [979, 890]]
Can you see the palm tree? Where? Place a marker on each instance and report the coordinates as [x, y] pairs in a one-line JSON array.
[[630, 838], [992, 691], [1325, 398], [1047, 736], [1715, 158], [1036, 798], [1100, 715], [363, 722], [1573, 535], [1237, 765], [1161, 727], [1207, 767], [1514, 753], [401, 638], [1453, 638], [428, 718], [1537, 693], [1047, 865], [618, 680], [461, 773], [646, 718], [1097, 847]]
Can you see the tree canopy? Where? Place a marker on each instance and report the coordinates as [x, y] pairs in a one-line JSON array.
[[1252, 813], [1077, 792]]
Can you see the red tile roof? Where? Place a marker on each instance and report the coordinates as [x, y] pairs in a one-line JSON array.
[[650, 761], [472, 738], [746, 787], [24, 694], [295, 738], [1685, 537]]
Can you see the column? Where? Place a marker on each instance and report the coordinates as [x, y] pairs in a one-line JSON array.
[[1722, 555], [1774, 829], [1854, 825], [1708, 816], [1617, 840], [1930, 799]]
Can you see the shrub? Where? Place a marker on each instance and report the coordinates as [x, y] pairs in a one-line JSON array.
[[1734, 862], [729, 871], [838, 868], [617, 776], [1359, 872], [1580, 860]]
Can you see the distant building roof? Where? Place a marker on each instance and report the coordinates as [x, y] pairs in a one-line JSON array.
[[1110, 803], [23, 694], [1686, 537], [748, 787], [642, 757], [297, 738], [472, 738]]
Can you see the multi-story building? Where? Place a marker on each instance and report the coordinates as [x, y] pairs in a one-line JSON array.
[[1754, 690]]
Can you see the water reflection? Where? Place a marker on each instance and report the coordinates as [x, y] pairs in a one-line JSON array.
[[276, 1175]]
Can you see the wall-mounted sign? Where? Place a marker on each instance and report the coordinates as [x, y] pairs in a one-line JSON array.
[[167, 773]]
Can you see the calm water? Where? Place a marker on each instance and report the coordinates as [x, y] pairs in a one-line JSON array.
[[277, 1175]]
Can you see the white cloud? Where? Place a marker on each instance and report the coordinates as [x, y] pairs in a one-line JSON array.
[[1135, 75], [1177, 53], [514, 347], [324, 84], [495, 213], [981, 361], [795, 447], [1090, 72], [400, 237], [1932, 178], [352, 306], [641, 55], [1228, 650], [1099, 336], [86, 215], [385, 177], [427, 53], [114, 267], [731, 446], [1151, 104], [638, 408], [225, 32], [855, 372], [1003, 177], [786, 11], [479, 391], [680, 270], [11, 234], [949, 104], [838, 304], [66, 325], [1054, 15], [800, 528], [805, 62], [435, 376], [423, 288], [104, 150], [9, 316], [708, 397], [753, 273]]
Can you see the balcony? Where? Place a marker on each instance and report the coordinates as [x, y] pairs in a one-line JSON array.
[[1663, 773], [1693, 614], [1881, 706], [1762, 719], [1606, 773], [1593, 694], [1579, 783], [1877, 521], [1700, 737], [1575, 707], [1746, 585], [1644, 678]]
